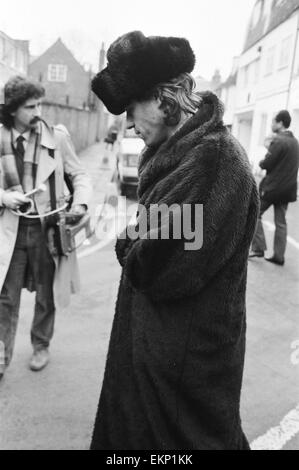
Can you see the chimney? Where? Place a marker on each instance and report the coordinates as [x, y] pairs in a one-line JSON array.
[[102, 57], [216, 80]]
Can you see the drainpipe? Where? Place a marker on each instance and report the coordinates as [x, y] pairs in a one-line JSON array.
[[293, 62]]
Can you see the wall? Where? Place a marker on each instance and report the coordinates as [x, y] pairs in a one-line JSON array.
[[228, 97], [266, 16], [263, 93], [74, 91], [14, 59], [84, 126]]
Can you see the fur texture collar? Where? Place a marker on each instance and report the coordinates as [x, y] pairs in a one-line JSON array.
[[157, 162]]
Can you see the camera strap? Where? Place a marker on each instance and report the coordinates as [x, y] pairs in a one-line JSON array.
[[52, 184]]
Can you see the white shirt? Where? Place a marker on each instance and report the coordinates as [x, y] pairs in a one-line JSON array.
[[16, 134]]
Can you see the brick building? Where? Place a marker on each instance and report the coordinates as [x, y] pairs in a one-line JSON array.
[[14, 59], [65, 80]]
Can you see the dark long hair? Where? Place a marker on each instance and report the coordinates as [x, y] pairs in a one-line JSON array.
[[5, 117], [16, 92]]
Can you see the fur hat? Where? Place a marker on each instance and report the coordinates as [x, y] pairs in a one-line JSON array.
[[136, 64]]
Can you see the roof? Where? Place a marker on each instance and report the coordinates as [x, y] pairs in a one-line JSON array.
[[20, 43], [230, 81], [266, 16], [58, 48]]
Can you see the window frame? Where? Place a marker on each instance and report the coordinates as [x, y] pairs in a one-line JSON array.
[[285, 47], [57, 73]]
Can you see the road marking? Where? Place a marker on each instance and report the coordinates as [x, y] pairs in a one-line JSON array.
[[291, 240], [276, 438], [106, 242], [122, 213], [108, 239]]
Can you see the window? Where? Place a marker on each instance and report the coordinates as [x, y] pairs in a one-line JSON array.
[[21, 61], [270, 61], [251, 73], [285, 52], [2, 48], [246, 76], [10, 56], [263, 129], [57, 73], [278, 3], [257, 64], [256, 16]]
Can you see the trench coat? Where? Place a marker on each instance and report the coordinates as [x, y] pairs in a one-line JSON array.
[[66, 279], [175, 362]]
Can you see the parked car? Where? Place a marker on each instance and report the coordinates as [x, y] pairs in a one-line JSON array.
[[127, 160]]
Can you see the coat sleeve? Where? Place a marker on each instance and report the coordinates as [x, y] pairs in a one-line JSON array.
[[273, 156], [1, 177], [165, 270], [74, 169], [1, 195], [1, 188]]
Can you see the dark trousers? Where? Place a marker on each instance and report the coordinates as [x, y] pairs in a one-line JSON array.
[[280, 237], [30, 253]]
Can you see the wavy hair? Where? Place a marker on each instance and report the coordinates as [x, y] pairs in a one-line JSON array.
[[177, 97], [17, 91]]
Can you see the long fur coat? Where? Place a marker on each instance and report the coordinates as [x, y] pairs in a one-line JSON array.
[[176, 355]]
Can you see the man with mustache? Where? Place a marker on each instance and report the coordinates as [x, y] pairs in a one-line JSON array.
[[31, 152]]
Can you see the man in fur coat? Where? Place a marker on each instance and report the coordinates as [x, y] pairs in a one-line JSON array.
[[176, 355]]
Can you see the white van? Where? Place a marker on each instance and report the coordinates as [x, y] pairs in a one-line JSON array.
[[127, 161]]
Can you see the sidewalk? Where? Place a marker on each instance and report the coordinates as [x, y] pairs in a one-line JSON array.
[[100, 164], [271, 378], [55, 408]]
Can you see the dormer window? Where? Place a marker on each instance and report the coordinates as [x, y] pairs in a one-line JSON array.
[[256, 14]]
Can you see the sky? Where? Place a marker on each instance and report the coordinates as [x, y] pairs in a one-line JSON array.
[[215, 28]]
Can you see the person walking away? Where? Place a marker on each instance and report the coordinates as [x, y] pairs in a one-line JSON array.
[[278, 188]]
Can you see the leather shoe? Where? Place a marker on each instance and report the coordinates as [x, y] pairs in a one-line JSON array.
[[256, 254], [275, 261], [1, 375], [39, 359]]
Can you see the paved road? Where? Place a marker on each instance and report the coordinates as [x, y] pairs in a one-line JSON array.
[[271, 379], [55, 408]]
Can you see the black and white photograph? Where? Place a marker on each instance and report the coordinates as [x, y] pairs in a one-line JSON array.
[[149, 227]]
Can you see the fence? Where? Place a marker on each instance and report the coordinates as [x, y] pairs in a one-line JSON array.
[[85, 127]]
